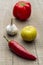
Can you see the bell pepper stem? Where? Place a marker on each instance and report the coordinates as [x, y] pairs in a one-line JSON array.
[[22, 4], [6, 38]]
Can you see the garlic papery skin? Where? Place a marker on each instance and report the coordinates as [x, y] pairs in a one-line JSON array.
[[11, 29]]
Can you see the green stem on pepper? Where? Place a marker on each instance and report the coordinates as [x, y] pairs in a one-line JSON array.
[[6, 38]]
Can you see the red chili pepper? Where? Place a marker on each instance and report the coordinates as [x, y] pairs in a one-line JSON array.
[[19, 50], [22, 10]]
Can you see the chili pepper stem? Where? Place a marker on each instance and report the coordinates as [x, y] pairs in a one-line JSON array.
[[6, 38], [11, 21]]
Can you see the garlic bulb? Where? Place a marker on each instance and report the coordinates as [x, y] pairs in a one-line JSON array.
[[11, 29]]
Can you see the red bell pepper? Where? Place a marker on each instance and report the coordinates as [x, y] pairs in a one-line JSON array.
[[19, 50], [22, 10]]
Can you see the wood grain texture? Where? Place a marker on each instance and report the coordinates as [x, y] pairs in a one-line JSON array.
[[36, 19]]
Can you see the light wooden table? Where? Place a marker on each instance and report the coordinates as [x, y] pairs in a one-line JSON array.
[[36, 19]]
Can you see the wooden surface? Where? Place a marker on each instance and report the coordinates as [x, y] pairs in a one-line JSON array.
[[36, 47]]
